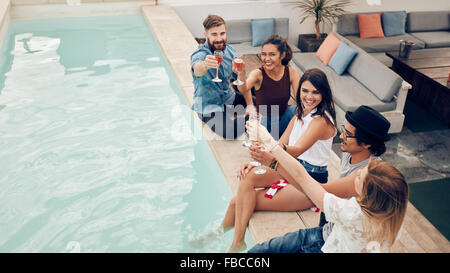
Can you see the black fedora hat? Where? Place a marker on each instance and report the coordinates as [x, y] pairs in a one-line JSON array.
[[370, 122]]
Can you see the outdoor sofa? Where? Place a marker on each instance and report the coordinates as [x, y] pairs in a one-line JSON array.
[[365, 82], [239, 34], [427, 29]]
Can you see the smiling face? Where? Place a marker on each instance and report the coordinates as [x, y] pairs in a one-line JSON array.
[[216, 37], [310, 96], [270, 56]]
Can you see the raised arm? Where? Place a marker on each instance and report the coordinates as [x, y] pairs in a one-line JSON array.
[[343, 187], [200, 68], [318, 129], [302, 179], [295, 81], [254, 78]]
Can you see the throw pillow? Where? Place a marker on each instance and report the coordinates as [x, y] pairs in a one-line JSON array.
[[370, 26], [327, 48], [393, 23], [342, 58], [261, 29]]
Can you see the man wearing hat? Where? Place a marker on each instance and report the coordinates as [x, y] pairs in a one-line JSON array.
[[362, 137]]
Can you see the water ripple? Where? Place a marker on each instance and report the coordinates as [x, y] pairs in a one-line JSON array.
[[88, 160]]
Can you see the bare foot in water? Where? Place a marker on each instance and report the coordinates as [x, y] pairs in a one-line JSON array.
[[238, 248], [210, 237]]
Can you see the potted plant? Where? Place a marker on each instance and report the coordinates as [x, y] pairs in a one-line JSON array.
[[323, 11]]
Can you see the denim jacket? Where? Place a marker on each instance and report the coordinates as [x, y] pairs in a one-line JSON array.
[[210, 96]]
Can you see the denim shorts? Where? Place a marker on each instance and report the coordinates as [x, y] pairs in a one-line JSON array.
[[301, 241], [319, 173]]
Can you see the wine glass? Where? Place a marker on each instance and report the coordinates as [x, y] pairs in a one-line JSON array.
[[219, 57], [248, 142], [259, 170], [238, 63]]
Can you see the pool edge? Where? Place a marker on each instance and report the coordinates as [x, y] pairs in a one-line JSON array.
[[229, 154], [177, 44], [419, 235]]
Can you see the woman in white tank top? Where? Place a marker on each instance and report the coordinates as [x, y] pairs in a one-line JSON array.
[[308, 138]]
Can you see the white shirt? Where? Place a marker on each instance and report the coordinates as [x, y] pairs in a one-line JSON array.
[[319, 153], [347, 233]]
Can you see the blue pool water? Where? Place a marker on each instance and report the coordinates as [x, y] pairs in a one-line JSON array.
[[93, 156]]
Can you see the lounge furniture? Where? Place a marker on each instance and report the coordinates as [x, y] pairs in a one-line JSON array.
[[239, 35], [366, 82], [430, 27], [425, 28]]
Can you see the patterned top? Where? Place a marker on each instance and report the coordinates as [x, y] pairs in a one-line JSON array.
[[347, 169], [347, 233]]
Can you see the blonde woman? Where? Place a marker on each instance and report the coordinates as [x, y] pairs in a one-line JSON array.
[[375, 215]]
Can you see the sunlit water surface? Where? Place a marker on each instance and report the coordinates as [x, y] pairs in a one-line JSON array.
[[97, 153]]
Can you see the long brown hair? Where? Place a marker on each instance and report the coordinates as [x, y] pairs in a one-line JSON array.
[[320, 81], [383, 201]]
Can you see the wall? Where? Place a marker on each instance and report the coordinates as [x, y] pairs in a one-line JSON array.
[[192, 12]]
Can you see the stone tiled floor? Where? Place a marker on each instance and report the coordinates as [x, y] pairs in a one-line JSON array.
[[421, 154]]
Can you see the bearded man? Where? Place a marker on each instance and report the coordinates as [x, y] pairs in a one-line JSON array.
[[216, 103]]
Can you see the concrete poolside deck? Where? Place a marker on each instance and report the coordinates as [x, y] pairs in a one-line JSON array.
[[177, 43]]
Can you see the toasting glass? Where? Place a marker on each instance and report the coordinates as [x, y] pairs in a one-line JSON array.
[[219, 57], [259, 170], [239, 64]]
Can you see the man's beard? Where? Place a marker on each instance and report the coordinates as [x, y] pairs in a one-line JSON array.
[[213, 47]]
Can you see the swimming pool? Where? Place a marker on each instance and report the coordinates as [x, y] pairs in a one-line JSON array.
[[93, 158]]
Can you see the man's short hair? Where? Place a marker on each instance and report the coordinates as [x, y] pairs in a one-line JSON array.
[[213, 21]]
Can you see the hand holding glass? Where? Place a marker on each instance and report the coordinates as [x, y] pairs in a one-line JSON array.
[[248, 142], [239, 64], [219, 57], [259, 170]]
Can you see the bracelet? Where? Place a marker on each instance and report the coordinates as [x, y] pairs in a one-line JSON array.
[[274, 164], [284, 147]]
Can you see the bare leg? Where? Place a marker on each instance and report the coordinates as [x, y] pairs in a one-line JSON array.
[[286, 199], [245, 202], [245, 205], [228, 220]]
